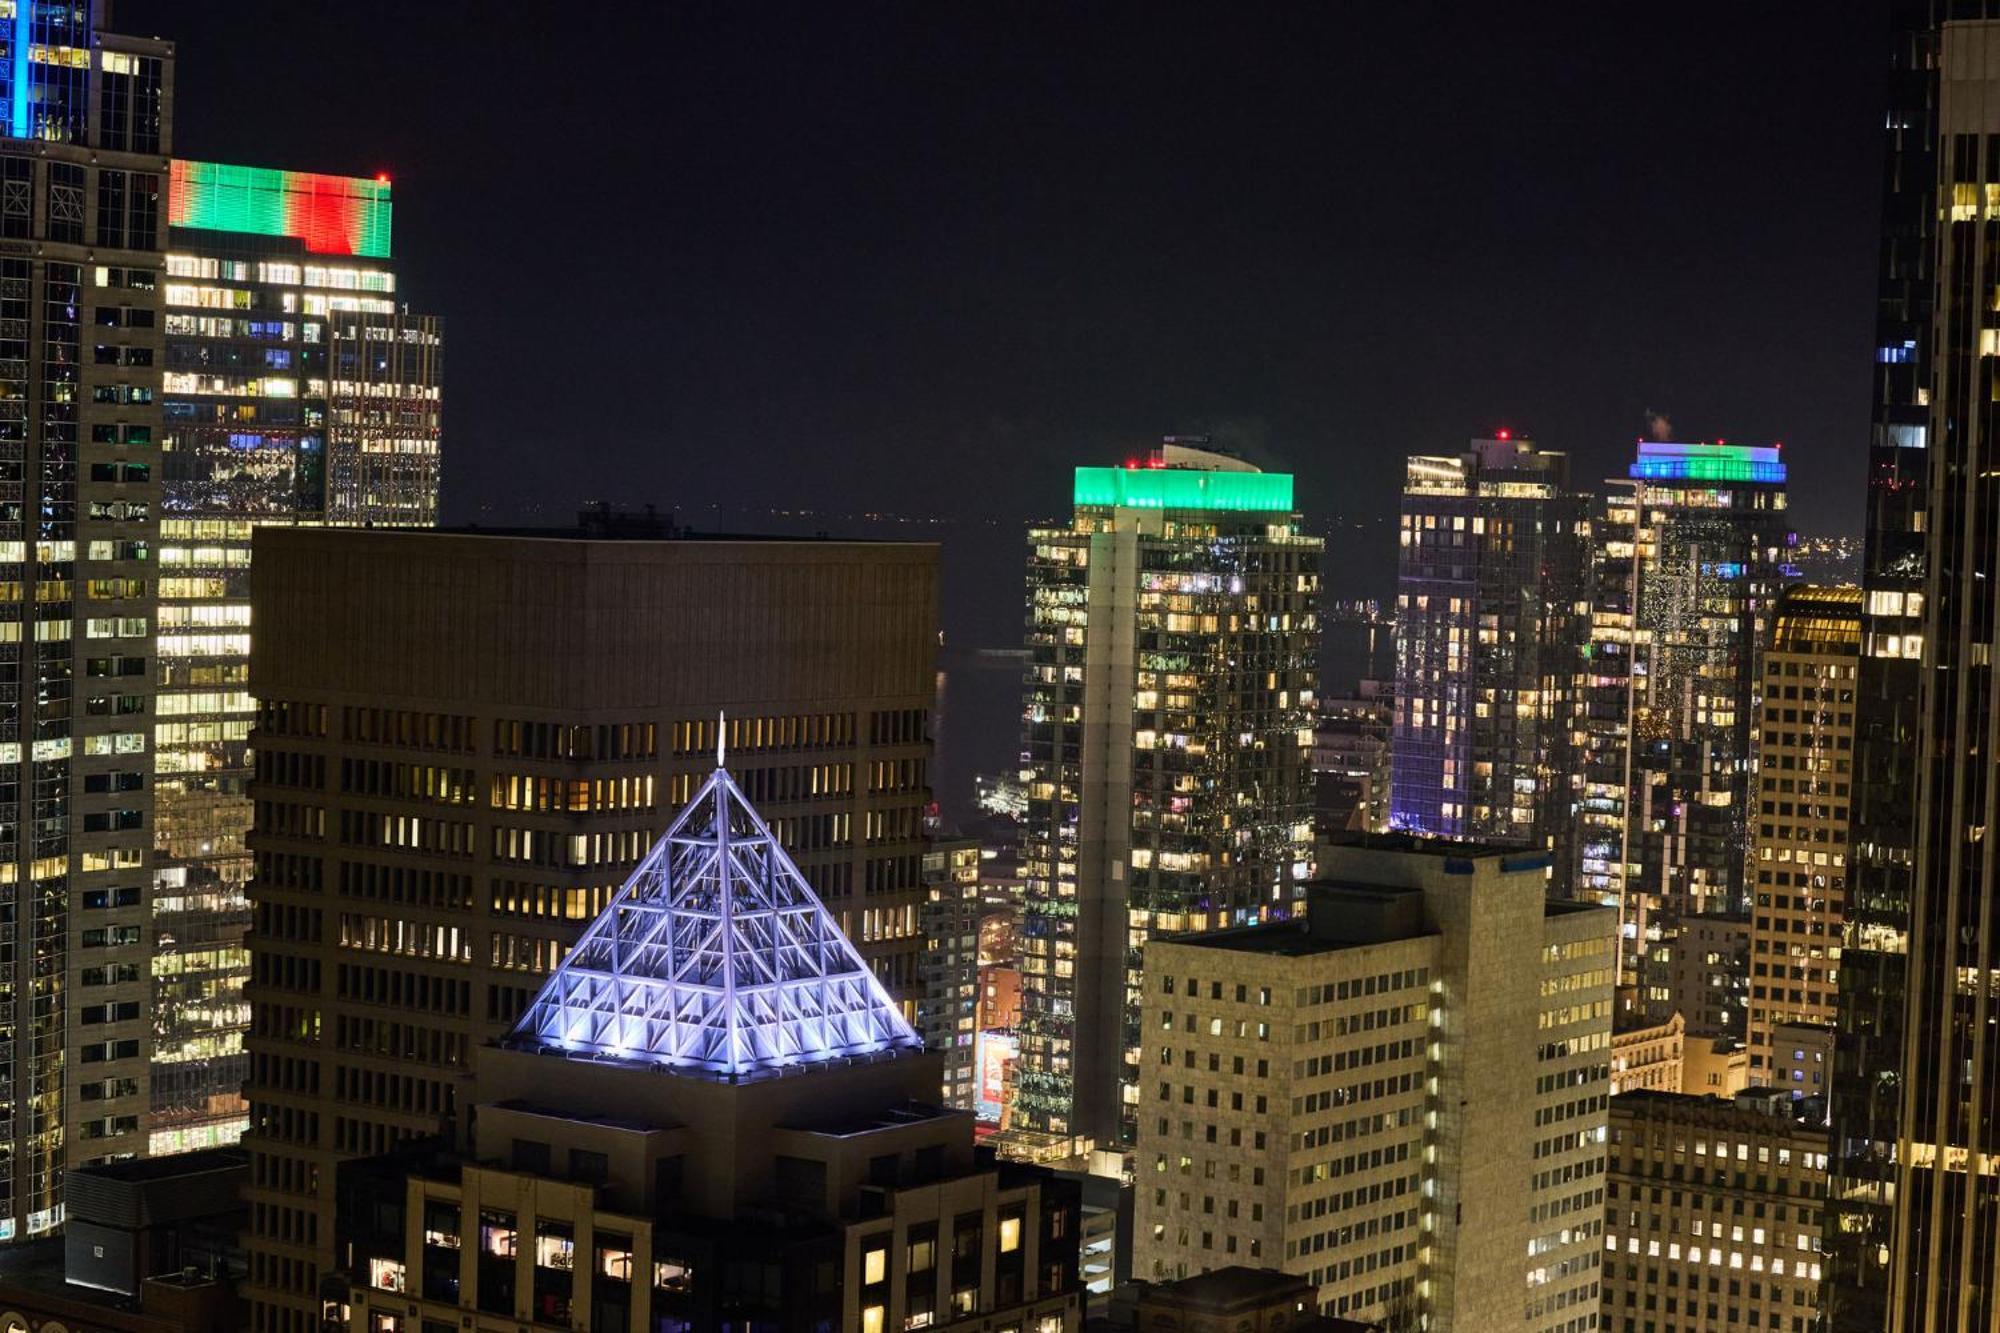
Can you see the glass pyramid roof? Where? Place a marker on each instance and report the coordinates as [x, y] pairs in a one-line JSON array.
[[714, 959]]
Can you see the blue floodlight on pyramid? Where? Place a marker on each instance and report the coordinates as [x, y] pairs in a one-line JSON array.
[[715, 958]]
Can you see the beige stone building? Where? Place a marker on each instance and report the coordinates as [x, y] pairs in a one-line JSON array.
[[1401, 1097], [1800, 838], [1649, 1058], [1713, 1212], [465, 743]]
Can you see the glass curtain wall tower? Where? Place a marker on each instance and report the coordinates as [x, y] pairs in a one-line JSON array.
[[1492, 607], [1945, 1240], [83, 174], [296, 390], [1173, 635], [1867, 1057], [1690, 560]]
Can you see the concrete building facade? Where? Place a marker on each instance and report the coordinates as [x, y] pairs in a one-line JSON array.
[[1401, 1097], [1805, 775], [1714, 1214]]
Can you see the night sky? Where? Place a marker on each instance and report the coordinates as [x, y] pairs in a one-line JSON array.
[[920, 260]]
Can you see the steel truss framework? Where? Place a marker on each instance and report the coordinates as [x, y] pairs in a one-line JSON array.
[[715, 958]]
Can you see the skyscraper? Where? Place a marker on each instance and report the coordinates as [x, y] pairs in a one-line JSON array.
[[295, 391], [712, 1116], [1946, 1237], [1867, 1085], [83, 177], [1402, 1097], [1691, 554], [465, 743], [1168, 727], [1805, 782], [1492, 612]]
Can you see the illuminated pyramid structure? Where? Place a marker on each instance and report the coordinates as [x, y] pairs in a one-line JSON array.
[[715, 959]]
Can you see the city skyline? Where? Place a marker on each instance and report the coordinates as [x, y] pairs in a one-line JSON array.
[[592, 840], [1248, 295]]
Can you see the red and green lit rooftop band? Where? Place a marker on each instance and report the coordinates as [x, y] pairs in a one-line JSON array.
[[332, 215]]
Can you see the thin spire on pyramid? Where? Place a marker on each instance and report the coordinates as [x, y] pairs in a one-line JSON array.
[[715, 958]]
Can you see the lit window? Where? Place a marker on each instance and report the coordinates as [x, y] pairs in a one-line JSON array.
[[873, 1319], [386, 1274], [874, 1267], [672, 1275], [496, 1234], [1010, 1234]]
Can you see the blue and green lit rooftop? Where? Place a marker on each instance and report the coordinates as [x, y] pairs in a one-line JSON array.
[[1182, 488], [1661, 460]]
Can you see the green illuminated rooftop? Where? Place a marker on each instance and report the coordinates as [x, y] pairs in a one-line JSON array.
[[1182, 488]]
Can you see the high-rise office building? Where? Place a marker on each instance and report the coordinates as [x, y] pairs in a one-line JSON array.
[[1805, 780], [1867, 1085], [711, 1116], [1168, 729], [83, 176], [295, 391], [1692, 551], [1401, 1097], [1713, 1213], [1945, 1241], [465, 742], [1492, 616]]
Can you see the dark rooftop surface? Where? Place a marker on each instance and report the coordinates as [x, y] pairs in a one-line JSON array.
[[909, 1113], [1229, 1287], [1440, 847], [591, 534], [1285, 939], [139, 1170]]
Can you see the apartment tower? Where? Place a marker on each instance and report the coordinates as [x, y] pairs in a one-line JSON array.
[[466, 742], [1493, 612], [1692, 550], [1168, 732]]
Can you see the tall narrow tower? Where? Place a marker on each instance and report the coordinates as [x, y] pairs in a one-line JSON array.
[[1867, 1058], [1691, 554], [297, 390], [1946, 1236], [83, 173], [1168, 721], [1492, 612]]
